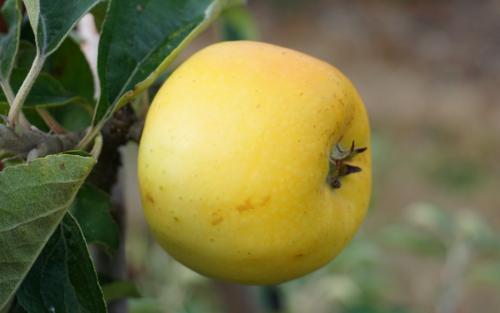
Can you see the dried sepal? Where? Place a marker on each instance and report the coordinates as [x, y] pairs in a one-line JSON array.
[[338, 166]]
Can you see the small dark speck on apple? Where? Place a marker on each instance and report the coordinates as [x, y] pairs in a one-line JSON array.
[[150, 198]]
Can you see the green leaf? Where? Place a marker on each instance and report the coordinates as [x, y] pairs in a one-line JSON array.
[[140, 39], [49, 269], [119, 290], [74, 117], [11, 162], [33, 199], [9, 42], [92, 210], [25, 55], [237, 24], [99, 13], [63, 278], [70, 67], [52, 20], [16, 308], [46, 92]]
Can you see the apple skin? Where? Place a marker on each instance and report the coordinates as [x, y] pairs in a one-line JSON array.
[[234, 158]]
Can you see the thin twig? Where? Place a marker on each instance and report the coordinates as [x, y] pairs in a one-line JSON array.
[[50, 121], [34, 143]]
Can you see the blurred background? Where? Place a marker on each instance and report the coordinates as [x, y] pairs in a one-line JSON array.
[[429, 73]]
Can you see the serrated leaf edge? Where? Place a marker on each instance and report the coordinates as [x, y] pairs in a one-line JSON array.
[[2, 173]]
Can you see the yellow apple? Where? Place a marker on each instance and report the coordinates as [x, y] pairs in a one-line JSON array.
[[244, 159]]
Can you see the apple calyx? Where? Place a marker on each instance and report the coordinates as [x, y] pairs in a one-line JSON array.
[[338, 166]]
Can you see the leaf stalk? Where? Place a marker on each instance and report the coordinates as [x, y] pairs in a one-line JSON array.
[[22, 94]]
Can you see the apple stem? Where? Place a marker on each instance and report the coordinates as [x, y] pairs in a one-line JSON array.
[[338, 166]]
